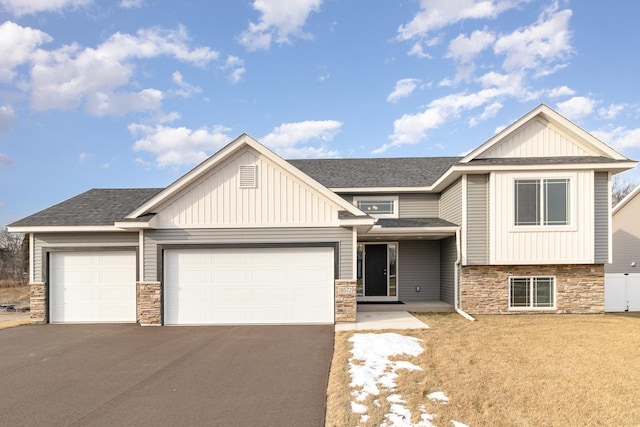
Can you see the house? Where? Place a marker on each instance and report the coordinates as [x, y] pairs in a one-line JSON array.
[[520, 224], [622, 276]]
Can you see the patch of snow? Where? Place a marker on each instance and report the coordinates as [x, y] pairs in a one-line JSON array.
[[370, 368], [425, 416], [376, 369], [395, 398], [438, 396], [358, 408]]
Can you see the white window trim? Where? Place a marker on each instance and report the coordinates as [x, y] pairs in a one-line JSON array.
[[573, 203], [555, 296], [393, 199]]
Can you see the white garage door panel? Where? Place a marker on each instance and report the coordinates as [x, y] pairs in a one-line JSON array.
[[93, 286], [255, 285]]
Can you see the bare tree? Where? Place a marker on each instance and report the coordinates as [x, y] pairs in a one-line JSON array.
[[12, 259], [620, 188]]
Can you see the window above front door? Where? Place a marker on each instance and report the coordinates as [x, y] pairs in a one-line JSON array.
[[378, 206]]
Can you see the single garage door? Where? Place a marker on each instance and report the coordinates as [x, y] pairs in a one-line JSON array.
[[622, 292], [249, 286], [92, 286]]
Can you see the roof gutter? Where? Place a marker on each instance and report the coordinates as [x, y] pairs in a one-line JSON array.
[[61, 228], [456, 281]]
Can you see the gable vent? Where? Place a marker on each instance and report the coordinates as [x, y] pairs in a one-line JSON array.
[[248, 176]]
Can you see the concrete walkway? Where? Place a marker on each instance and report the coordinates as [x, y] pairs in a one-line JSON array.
[[371, 320]]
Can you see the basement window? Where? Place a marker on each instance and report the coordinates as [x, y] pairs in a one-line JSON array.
[[532, 292], [248, 176]]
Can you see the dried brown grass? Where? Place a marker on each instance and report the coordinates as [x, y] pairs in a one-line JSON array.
[[512, 371], [14, 292]]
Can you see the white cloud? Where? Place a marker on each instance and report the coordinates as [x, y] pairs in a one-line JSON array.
[[576, 108], [436, 14], [464, 49], [83, 157], [612, 111], [178, 146], [186, 89], [403, 89], [26, 7], [538, 45], [5, 160], [130, 4], [290, 140], [17, 47], [7, 117], [120, 103], [412, 128], [70, 76], [235, 66], [279, 21], [619, 137], [558, 92], [489, 112]]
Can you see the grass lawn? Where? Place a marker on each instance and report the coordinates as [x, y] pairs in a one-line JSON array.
[[538, 370], [14, 292]]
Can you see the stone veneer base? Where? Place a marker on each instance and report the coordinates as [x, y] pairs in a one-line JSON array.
[[484, 289], [149, 306], [38, 302], [345, 301]]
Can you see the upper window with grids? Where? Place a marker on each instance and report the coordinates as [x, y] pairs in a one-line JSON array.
[[380, 207], [542, 201]]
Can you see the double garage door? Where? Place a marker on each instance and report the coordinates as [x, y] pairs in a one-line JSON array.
[[201, 286], [248, 286]]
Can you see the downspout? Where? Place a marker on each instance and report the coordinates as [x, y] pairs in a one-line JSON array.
[[456, 281]]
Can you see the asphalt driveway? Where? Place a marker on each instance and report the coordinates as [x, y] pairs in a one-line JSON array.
[[132, 375]]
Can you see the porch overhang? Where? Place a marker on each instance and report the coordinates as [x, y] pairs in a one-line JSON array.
[[410, 228]]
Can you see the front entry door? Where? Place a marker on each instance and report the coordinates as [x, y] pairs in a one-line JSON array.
[[375, 272]]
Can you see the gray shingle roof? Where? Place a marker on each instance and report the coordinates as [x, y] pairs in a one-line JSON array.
[[101, 206], [377, 172]]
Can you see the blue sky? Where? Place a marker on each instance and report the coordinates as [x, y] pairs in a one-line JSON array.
[[133, 93]]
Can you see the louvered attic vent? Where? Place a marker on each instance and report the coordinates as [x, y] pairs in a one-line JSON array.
[[248, 176]]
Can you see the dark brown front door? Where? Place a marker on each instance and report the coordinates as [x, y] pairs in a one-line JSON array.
[[375, 270]]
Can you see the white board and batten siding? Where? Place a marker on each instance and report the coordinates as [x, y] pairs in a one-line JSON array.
[[278, 199], [572, 244], [537, 139]]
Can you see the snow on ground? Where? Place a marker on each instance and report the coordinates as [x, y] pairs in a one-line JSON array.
[[371, 369]]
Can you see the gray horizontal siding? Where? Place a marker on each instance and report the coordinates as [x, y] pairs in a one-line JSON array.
[[342, 236], [601, 218], [418, 205], [410, 205], [80, 240], [626, 239], [477, 232], [419, 265], [448, 256], [451, 203]]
